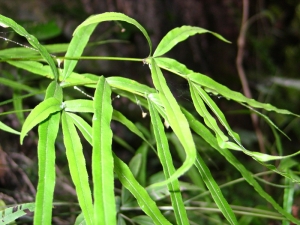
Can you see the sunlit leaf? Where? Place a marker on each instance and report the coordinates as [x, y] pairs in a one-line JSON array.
[[77, 167], [176, 120], [102, 159], [168, 167], [179, 34], [113, 16]]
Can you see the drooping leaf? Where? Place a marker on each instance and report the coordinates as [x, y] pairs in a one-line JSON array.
[[179, 34], [202, 131], [113, 16], [76, 47], [176, 120], [7, 22]]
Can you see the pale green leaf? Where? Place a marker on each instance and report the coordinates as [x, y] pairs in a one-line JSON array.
[[102, 159], [79, 105], [10, 214], [8, 129], [77, 167], [177, 35], [114, 16]]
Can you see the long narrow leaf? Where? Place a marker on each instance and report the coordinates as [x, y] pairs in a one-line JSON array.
[[7, 22], [177, 35], [168, 167], [102, 159], [46, 161], [176, 119], [215, 190], [145, 202], [202, 131], [76, 47], [113, 16], [8, 129], [77, 167], [40, 113], [48, 130]]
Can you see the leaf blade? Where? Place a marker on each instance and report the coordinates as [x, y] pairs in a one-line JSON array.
[[103, 177]]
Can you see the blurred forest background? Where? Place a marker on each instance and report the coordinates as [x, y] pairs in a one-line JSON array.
[[271, 63]]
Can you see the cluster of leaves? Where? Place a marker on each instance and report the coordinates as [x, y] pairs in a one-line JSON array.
[[99, 206]]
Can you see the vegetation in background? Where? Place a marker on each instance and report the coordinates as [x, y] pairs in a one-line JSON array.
[[112, 188]]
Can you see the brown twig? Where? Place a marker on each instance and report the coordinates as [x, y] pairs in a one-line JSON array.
[[241, 72]]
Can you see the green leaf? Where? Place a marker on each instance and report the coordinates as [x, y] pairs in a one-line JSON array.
[[83, 126], [176, 120], [39, 114], [46, 162], [7, 22], [114, 16], [215, 190], [129, 85], [102, 159], [215, 109], [209, 85], [48, 130], [76, 47], [118, 116], [79, 105], [179, 34], [216, 88], [145, 202], [168, 167], [16, 85], [8, 129], [288, 197], [10, 214], [77, 167], [202, 131]]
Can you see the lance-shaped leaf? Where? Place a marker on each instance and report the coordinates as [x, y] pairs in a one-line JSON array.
[[7, 22], [8, 129], [76, 47], [77, 167], [209, 85], [144, 200], [113, 16], [165, 158], [179, 34], [202, 131], [102, 159], [39, 114], [176, 120], [48, 130]]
